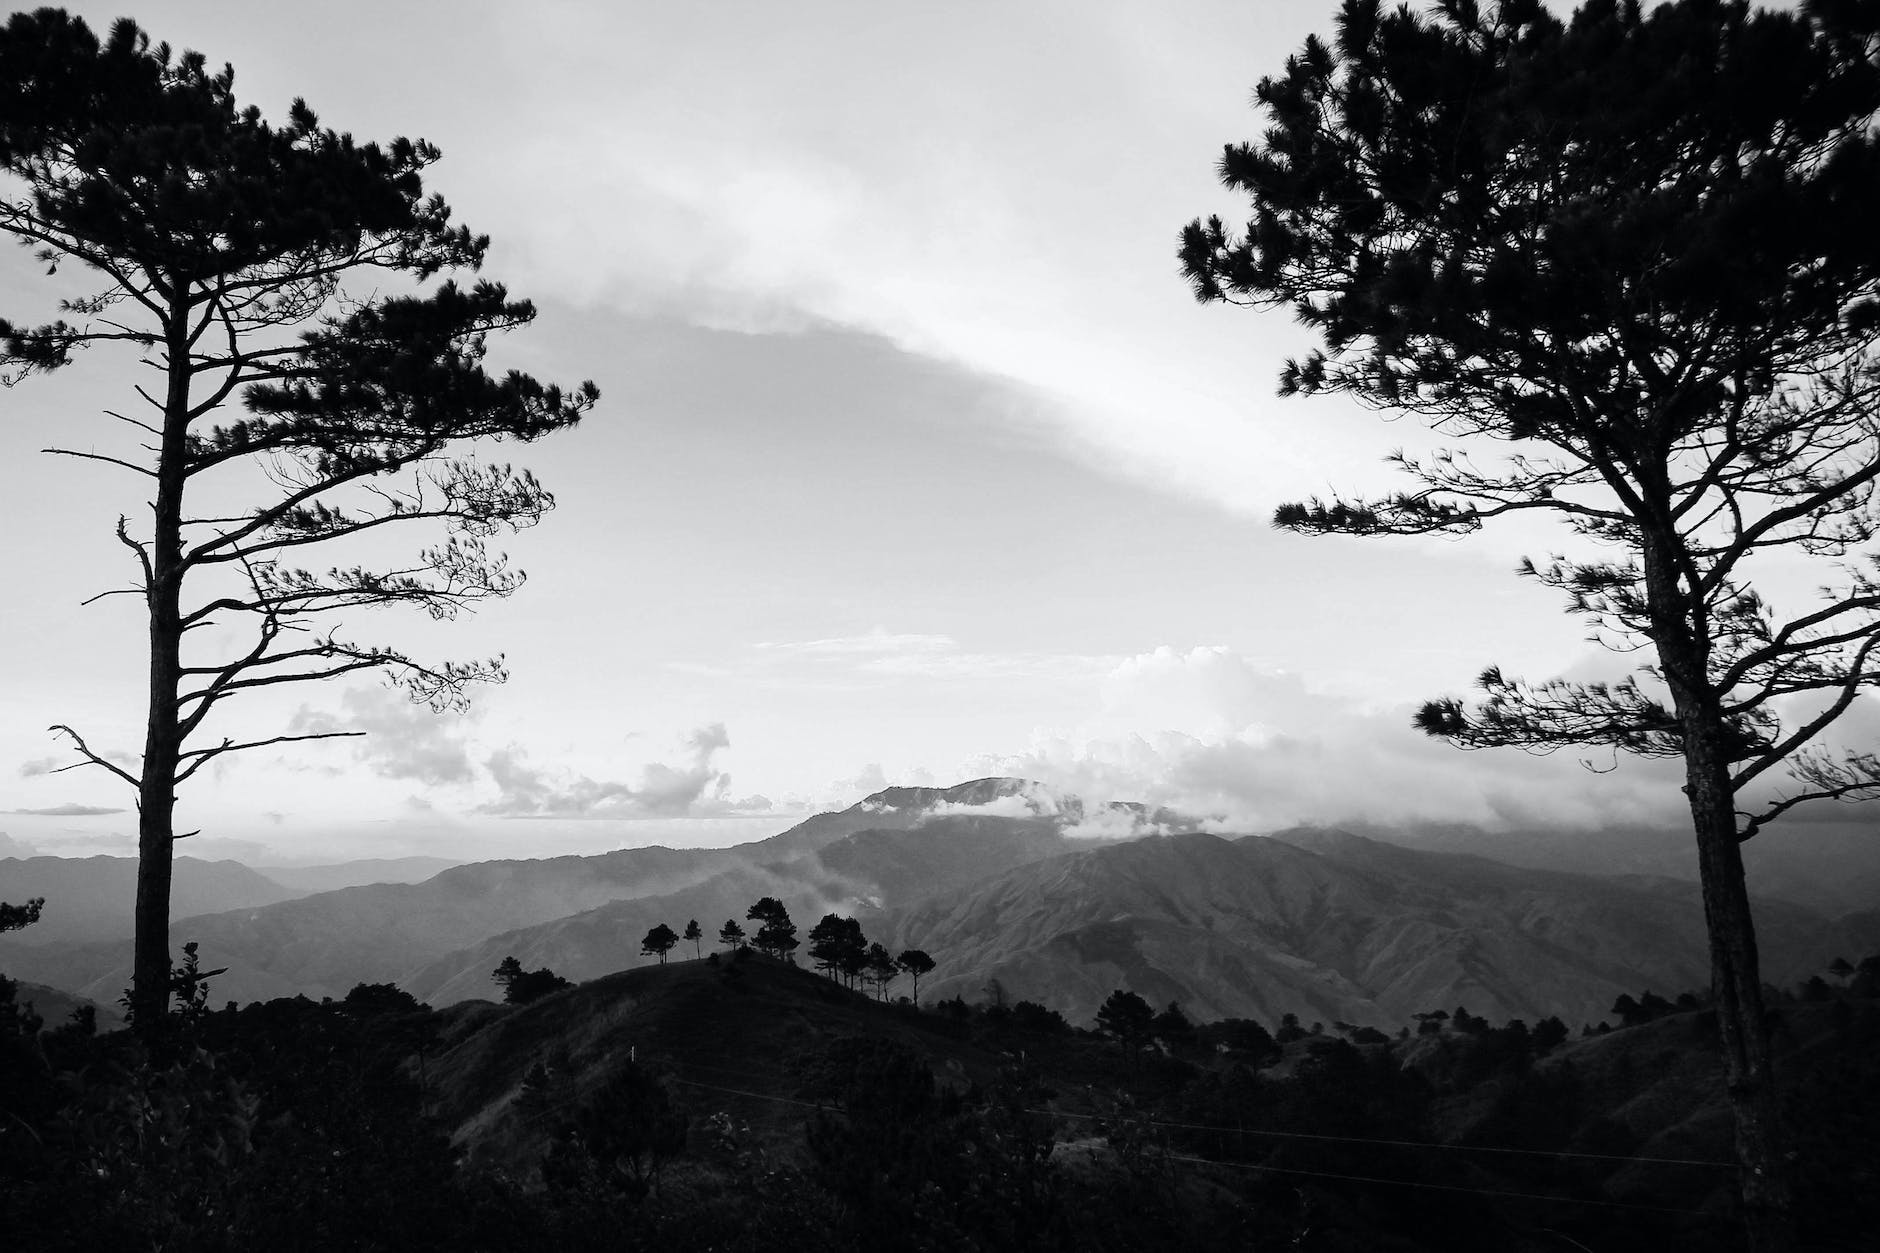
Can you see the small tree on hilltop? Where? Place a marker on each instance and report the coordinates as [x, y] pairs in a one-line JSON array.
[[1631, 257], [522, 986], [697, 937], [838, 947], [731, 935], [776, 934], [659, 942], [915, 963], [880, 968], [240, 261]]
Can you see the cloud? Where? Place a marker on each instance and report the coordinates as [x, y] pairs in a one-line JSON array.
[[403, 740], [908, 654], [67, 811], [877, 642], [1207, 732], [39, 766], [1013, 805], [695, 788]]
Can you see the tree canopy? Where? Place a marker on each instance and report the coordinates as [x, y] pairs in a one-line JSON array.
[[1634, 251], [659, 941], [281, 268]]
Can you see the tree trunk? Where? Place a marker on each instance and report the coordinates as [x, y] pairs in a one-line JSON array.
[[1736, 991], [156, 793], [1681, 636]]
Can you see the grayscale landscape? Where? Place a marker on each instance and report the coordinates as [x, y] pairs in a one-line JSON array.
[[943, 627]]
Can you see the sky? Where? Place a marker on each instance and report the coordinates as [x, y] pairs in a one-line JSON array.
[[915, 460]]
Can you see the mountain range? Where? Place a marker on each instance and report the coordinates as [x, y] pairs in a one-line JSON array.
[[987, 878]]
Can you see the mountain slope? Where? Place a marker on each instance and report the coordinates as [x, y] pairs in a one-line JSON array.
[[1356, 932], [853, 876], [90, 898], [352, 874]]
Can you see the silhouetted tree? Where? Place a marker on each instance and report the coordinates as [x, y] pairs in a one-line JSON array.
[[916, 963], [1290, 1030], [697, 937], [381, 998], [838, 948], [658, 942], [522, 986], [880, 969], [1127, 1018], [17, 917], [1840, 967], [731, 935], [240, 261], [1549, 1033], [776, 934], [1638, 248]]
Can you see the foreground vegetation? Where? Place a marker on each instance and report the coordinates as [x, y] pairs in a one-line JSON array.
[[737, 1101]]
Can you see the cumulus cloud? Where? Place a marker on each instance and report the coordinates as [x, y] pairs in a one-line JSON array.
[[402, 740], [1207, 732], [67, 811], [694, 788]]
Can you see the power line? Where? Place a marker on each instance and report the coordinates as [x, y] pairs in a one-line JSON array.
[[1282, 1170], [1333, 1139]]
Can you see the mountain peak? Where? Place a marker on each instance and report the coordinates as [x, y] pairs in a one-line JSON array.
[[974, 794]]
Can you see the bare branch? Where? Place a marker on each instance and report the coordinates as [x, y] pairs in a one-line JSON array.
[[203, 756], [91, 758], [98, 456]]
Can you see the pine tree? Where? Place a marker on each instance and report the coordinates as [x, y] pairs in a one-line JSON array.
[[658, 942], [242, 262], [697, 937], [880, 970], [1633, 252], [731, 935], [916, 963]]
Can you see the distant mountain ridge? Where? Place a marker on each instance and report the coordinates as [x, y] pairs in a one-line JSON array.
[[988, 879], [91, 898], [1351, 930]]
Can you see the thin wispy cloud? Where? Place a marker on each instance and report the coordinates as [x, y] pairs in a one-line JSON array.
[[67, 811]]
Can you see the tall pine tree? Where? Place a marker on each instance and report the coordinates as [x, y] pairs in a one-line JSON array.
[[1634, 254], [241, 262]]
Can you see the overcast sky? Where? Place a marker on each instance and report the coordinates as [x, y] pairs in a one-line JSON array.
[[915, 460]]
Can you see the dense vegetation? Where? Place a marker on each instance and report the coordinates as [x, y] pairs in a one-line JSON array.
[[294, 1124]]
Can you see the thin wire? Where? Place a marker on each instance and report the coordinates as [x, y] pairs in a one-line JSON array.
[[1284, 1170], [1308, 1135]]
